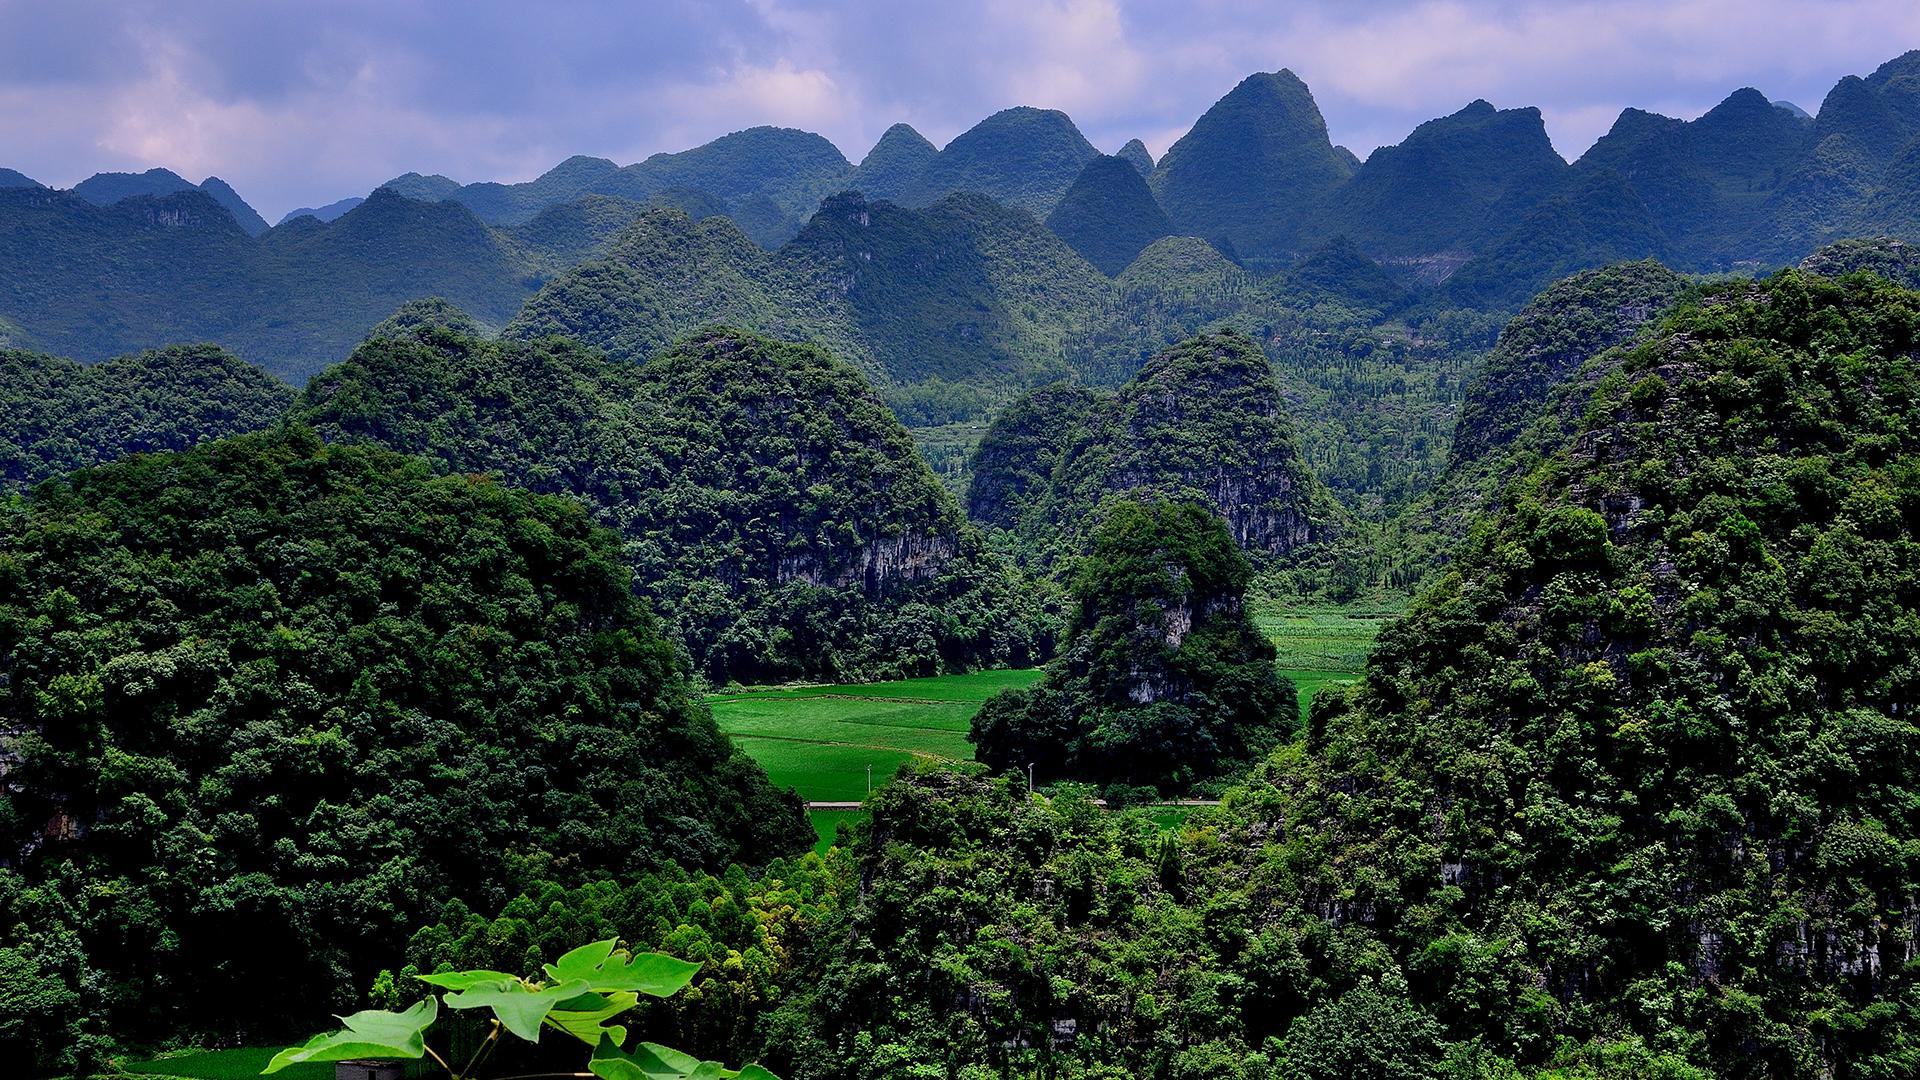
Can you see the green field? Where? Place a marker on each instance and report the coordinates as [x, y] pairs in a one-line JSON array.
[[1323, 637], [821, 740]]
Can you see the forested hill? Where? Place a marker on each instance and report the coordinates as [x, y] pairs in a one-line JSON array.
[[270, 705], [772, 510], [1630, 792], [1202, 421], [57, 415]]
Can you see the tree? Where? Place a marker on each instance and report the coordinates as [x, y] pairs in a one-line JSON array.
[[1164, 682]]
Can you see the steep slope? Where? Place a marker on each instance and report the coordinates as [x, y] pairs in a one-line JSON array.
[[339, 280], [1880, 113], [290, 677], [1339, 269], [1203, 421], [105, 189], [94, 281], [91, 281], [1696, 788], [893, 165], [1135, 154], [768, 178], [773, 512], [1109, 216], [57, 416], [1896, 260], [1568, 324], [1022, 157], [1016, 459], [663, 277], [1706, 182], [1596, 219], [1163, 682], [11, 179], [561, 236], [1251, 167], [1451, 186], [964, 290], [247, 217]]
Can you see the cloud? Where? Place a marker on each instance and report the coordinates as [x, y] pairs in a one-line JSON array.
[[300, 104]]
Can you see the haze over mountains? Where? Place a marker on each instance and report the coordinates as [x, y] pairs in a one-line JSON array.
[[1474, 209]]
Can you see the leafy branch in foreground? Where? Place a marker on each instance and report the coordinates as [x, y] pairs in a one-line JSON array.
[[582, 993]]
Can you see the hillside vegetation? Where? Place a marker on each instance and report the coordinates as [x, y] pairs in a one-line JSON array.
[[271, 704], [57, 416], [772, 510]]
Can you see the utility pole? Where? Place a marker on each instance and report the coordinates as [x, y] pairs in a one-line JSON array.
[[1029, 777], [869, 777]]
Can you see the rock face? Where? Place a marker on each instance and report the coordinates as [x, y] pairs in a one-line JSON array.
[[1109, 215], [1896, 260], [1251, 167], [1202, 421]]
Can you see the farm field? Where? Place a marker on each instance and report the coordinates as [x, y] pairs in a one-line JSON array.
[[1323, 644], [821, 740]]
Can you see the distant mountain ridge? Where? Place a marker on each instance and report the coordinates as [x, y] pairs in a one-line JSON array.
[[105, 189]]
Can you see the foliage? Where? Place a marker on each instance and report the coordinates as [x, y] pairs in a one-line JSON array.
[[773, 512], [579, 995], [1163, 680], [1451, 185], [894, 163], [57, 416], [1108, 215], [268, 704], [742, 932], [1251, 167], [1022, 157], [1640, 764], [1202, 421]]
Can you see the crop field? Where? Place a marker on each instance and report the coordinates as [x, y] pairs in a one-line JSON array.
[[821, 740], [1323, 644]]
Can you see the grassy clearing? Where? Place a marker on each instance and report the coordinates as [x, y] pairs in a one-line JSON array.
[[820, 740], [826, 824], [1323, 637]]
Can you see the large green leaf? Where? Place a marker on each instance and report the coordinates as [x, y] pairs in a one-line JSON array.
[[374, 1033], [607, 971], [585, 1017], [464, 980], [651, 1061], [519, 1008]]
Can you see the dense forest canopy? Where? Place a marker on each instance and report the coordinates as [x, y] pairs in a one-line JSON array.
[[1162, 683], [774, 512], [270, 704], [56, 415]]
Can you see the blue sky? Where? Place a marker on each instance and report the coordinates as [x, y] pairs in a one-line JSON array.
[[303, 103]]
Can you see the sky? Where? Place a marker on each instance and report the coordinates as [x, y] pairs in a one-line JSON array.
[[302, 103]]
